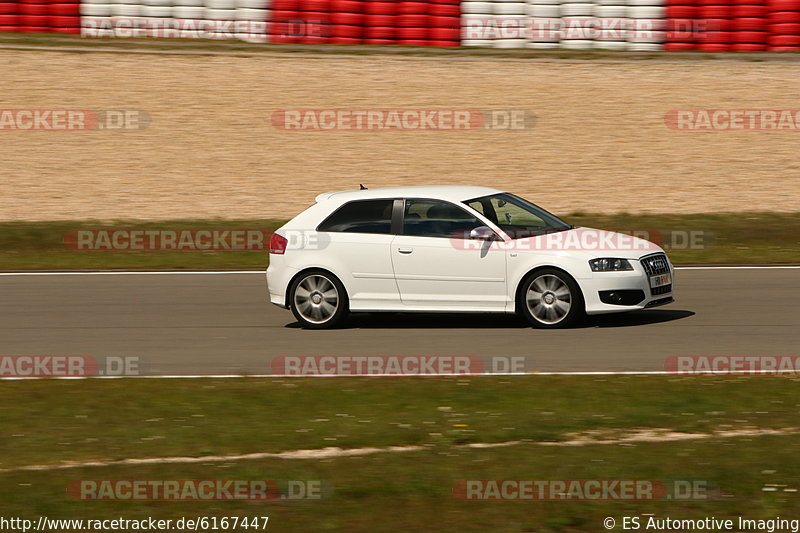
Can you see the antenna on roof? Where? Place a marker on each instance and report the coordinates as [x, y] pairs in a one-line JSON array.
[[361, 187]]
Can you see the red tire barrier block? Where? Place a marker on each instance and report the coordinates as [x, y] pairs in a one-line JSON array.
[[350, 32], [681, 12], [345, 40], [56, 21], [784, 17], [379, 20], [678, 46], [347, 19], [748, 47], [412, 34], [755, 37], [347, 6], [65, 10], [715, 12], [315, 5], [681, 24], [445, 10], [749, 11], [784, 5], [34, 9], [749, 24], [410, 8], [708, 47], [785, 29], [409, 20], [382, 33], [445, 34], [381, 8], [784, 40], [285, 5], [445, 22], [34, 21]]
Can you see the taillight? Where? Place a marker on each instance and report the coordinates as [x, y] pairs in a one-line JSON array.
[[277, 244]]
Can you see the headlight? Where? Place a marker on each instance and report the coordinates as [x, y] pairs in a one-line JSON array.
[[609, 264]]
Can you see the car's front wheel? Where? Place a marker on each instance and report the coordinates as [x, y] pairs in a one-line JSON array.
[[550, 298], [318, 300]]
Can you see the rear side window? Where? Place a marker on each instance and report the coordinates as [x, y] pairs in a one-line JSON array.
[[434, 218], [361, 216]]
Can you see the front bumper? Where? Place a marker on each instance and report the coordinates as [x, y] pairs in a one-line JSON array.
[[604, 288]]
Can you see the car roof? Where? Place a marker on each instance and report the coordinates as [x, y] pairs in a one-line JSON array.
[[452, 193]]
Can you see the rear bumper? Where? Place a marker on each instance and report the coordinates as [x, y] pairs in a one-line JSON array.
[[278, 278]]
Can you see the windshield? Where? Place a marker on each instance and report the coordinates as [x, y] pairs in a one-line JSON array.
[[517, 216]]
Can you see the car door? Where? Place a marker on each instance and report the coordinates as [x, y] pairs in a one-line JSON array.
[[357, 238], [437, 265]]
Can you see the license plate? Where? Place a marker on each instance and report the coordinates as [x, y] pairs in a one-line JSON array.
[[660, 280]]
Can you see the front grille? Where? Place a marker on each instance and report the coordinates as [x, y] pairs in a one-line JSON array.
[[653, 265]]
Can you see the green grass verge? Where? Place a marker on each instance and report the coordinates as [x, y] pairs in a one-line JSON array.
[[54, 421], [741, 238], [46, 422]]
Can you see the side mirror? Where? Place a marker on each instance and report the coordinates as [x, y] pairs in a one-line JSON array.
[[482, 233]]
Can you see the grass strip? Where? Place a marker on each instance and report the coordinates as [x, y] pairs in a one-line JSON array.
[[728, 238], [51, 421]]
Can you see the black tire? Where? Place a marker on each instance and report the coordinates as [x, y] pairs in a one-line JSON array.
[[310, 300], [547, 310]]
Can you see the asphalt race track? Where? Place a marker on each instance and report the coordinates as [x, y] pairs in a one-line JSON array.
[[190, 324]]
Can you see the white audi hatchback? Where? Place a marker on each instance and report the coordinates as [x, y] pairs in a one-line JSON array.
[[456, 249]]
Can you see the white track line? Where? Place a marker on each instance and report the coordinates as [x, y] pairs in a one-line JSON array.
[[224, 272]]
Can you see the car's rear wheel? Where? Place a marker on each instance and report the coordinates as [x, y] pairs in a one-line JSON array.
[[318, 300], [550, 298]]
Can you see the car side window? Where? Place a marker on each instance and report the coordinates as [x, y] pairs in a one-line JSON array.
[[513, 216], [434, 218], [361, 216]]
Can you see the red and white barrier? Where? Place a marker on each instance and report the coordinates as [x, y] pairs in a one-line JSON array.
[[633, 25]]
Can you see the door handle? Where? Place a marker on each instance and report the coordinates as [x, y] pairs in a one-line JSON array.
[[405, 250]]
